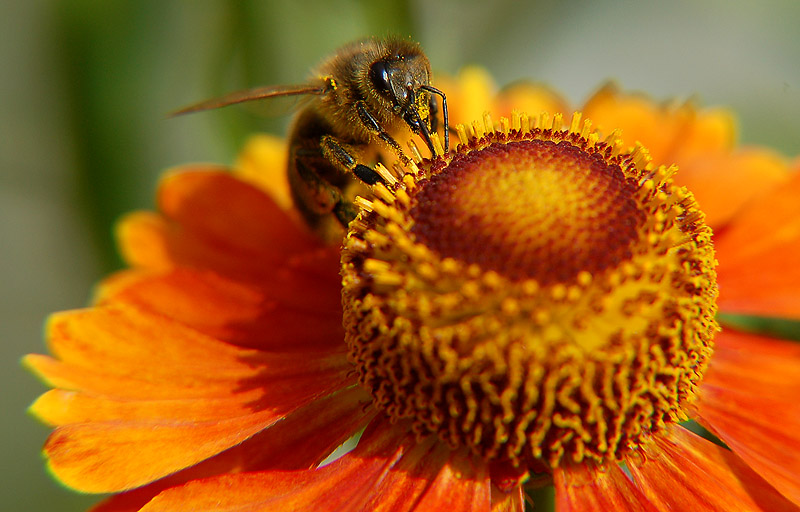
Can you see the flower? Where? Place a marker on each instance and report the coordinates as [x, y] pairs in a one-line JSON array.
[[484, 345]]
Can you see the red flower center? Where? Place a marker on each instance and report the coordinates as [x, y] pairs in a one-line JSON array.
[[530, 209]]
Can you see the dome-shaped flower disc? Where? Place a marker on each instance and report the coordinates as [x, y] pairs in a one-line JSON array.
[[538, 296]]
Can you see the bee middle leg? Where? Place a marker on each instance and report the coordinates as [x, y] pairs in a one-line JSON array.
[[341, 155]]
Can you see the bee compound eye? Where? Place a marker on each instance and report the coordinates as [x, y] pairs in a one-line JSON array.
[[379, 76]]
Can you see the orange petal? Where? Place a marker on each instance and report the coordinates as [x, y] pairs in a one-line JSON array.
[[759, 256], [165, 245], [143, 441], [529, 98], [749, 398], [110, 457], [700, 142], [712, 131], [640, 119], [157, 397], [409, 478], [473, 92], [272, 318], [212, 220], [263, 162], [342, 485], [353, 482], [583, 487], [469, 95], [507, 482], [671, 132], [121, 352], [227, 211], [145, 386], [513, 501], [142, 240], [59, 407], [461, 485], [430, 476], [125, 444], [724, 182], [300, 441], [683, 471]]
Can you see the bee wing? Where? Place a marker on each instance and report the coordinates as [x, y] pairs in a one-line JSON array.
[[258, 93]]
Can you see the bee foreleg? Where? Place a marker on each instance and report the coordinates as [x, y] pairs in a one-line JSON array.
[[372, 124], [337, 153]]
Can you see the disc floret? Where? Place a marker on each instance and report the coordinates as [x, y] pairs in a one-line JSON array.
[[538, 295]]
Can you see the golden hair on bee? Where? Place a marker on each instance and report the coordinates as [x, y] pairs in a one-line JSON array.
[[359, 95]]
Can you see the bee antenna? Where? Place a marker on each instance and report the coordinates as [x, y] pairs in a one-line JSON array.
[[434, 90]]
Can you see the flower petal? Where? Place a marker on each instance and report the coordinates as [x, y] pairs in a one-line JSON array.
[[420, 476], [142, 240], [700, 142], [268, 318], [225, 210], [683, 471], [300, 441], [469, 95], [121, 352], [750, 398], [507, 483], [146, 407], [462, 485], [342, 485], [669, 131], [212, 220], [108, 457], [529, 98], [119, 454], [263, 161], [59, 407], [513, 501], [430, 476], [583, 487], [723, 183], [473, 93], [759, 256]]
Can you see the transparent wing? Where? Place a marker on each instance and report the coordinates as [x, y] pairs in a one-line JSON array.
[[258, 93]]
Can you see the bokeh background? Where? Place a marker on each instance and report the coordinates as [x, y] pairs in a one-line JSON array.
[[85, 85]]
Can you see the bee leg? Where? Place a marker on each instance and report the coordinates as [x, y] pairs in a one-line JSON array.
[[315, 197], [345, 212], [337, 153], [312, 192], [372, 124]]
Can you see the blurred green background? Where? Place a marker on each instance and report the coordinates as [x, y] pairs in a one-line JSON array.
[[86, 85]]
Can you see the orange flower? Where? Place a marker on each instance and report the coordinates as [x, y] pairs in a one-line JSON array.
[[217, 372]]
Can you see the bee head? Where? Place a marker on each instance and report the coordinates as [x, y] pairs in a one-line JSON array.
[[405, 82]]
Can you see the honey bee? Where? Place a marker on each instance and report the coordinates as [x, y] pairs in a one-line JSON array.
[[358, 96]]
